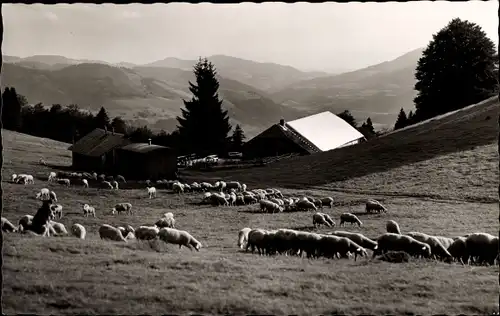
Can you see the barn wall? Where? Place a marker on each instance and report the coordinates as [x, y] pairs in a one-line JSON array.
[[87, 163], [271, 146], [154, 165]]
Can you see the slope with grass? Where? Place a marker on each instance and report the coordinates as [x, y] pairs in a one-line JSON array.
[[66, 275]]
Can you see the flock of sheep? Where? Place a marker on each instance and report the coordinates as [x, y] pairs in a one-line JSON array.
[[478, 248]]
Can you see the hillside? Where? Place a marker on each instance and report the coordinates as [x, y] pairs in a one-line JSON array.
[[144, 95], [378, 91], [264, 76], [420, 156]]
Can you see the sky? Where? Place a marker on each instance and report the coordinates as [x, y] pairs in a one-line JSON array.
[[308, 36]]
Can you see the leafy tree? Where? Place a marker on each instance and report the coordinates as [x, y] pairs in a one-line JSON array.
[[204, 125], [457, 69], [11, 109], [238, 138], [347, 116], [102, 119], [141, 135], [402, 120], [119, 125]]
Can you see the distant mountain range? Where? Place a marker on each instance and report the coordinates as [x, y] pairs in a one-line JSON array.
[[255, 94]]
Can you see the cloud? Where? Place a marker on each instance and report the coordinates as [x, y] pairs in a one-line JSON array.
[[51, 16]]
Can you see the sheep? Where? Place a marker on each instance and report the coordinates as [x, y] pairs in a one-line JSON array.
[[319, 219], [179, 237], [85, 183], [327, 201], [359, 239], [458, 250], [233, 185], [168, 222], [220, 185], [24, 222], [64, 182], [14, 177], [107, 185], [43, 195], [396, 242], [52, 176], [122, 207], [217, 199], [317, 203], [349, 218], [255, 240], [484, 246], [178, 187], [232, 199], [29, 179], [59, 228], [205, 186], [445, 241], [437, 249], [243, 237], [306, 205], [146, 232], [88, 210], [346, 245], [57, 209], [7, 226], [121, 179], [22, 177], [243, 187], [268, 206], [78, 231], [392, 227], [374, 205], [114, 184], [151, 192], [109, 232]]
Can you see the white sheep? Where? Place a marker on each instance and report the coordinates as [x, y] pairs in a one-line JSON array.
[[122, 207], [57, 209], [319, 219], [437, 249], [178, 187], [220, 185], [217, 199], [78, 231], [59, 228], [52, 176], [327, 201], [243, 237], [106, 185], [359, 239], [112, 233], [14, 177], [64, 182], [243, 187], [396, 242], [168, 222], [268, 206], [374, 205], [43, 195], [151, 192], [349, 218], [7, 226], [305, 205], [25, 222], [88, 210], [146, 232], [392, 227], [85, 183], [179, 237], [233, 185], [114, 184], [232, 199]]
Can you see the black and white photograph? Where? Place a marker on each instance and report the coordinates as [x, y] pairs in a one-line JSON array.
[[250, 158]]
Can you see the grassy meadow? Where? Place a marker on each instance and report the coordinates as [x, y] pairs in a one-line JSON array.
[[449, 194]]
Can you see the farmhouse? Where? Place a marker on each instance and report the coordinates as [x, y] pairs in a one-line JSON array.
[[139, 161], [308, 135], [96, 151]]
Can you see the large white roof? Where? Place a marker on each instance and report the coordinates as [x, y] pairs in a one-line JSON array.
[[325, 130]]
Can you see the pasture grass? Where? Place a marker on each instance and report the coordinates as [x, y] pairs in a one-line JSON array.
[[65, 275]]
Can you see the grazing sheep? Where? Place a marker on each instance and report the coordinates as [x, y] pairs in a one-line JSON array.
[[53, 196], [458, 250], [217, 200], [59, 228], [122, 207], [396, 242], [437, 249], [78, 231], [57, 209], [106, 185], [168, 222], [178, 187], [111, 233], [349, 218], [329, 245], [359, 239], [85, 183], [114, 184], [374, 205], [7, 226], [327, 201], [445, 241], [392, 227], [305, 205], [233, 185], [146, 232], [268, 206], [255, 240], [319, 219], [151, 192], [179, 237], [52, 176], [24, 222], [243, 237], [64, 182], [121, 179], [484, 246], [43, 195], [30, 179], [395, 257], [88, 210]]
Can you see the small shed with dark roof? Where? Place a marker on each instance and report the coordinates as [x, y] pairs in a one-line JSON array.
[[96, 151], [141, 161]]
